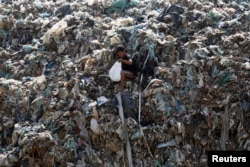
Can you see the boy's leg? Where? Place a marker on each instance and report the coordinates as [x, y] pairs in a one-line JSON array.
[[124, 75]]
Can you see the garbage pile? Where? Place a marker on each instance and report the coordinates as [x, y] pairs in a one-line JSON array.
[[58, 106]]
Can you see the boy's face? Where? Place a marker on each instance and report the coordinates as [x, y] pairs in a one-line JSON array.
[[121, 53]]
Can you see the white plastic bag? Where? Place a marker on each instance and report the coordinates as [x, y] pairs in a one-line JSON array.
[[115, 72]]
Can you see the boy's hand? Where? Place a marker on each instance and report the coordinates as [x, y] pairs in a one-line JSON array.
[[120, 60]]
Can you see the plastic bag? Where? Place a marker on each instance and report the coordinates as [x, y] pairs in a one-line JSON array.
[[115, 72], [101, 100]]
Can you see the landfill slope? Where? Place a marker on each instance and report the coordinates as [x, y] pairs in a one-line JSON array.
[[59, 107]]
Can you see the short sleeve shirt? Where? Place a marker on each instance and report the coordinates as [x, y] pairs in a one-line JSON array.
[[127, 67]]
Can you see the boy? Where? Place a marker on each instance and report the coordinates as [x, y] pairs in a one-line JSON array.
[[128, 68]]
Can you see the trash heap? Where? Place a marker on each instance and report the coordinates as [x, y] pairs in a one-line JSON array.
[[58, 106]]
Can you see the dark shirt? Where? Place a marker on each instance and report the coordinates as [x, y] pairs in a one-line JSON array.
[[127, 67]]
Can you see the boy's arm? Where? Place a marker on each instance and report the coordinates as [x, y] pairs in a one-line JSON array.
[[128, 62]]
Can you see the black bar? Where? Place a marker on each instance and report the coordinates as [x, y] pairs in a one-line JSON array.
[[228, 158]]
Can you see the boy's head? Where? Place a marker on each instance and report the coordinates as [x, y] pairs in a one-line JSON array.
[[120, 51]]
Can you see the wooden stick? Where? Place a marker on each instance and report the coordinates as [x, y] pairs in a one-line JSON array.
[[224, 128], [124, 124]]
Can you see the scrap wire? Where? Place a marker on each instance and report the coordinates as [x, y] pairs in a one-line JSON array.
[[139, 107], [139, 114]]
